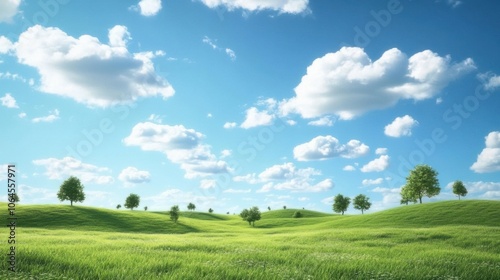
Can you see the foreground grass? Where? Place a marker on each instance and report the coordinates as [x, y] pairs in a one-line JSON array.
[[224, 247]]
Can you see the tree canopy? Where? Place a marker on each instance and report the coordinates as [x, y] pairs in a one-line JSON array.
[[72, 190], [422, 181], [251, 215], [132, 201], [191, 206], [174, 213], [341, 203], [361, 202], [459, 189]]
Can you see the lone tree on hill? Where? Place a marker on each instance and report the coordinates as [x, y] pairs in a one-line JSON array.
[[341, 203], [132, 201], [284, 207], [72, 190], [269, 208], [145, 208], [210, 210], [251, 215], [118, 206], [174, 213], [191, 206], [361, 202], [422, 181], [459, 189]]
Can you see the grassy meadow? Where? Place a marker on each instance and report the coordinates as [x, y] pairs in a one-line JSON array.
[[442, 240]]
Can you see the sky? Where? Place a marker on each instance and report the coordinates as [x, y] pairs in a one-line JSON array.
[[230, 104]]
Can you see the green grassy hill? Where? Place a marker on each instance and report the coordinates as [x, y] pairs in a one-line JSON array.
[[466, 212]]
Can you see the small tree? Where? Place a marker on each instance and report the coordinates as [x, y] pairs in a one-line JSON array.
[[72, 190], [269, 208], [174, 213], [13, 197], [191, 206], [459, 189], [421, 182], [132, 201], [118, 206], [210, 210], [361, 202], [284, 207], [145, 208], [251, 215], [341, 203], [297, 214]]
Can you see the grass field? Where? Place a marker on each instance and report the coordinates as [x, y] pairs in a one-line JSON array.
[[443, 240]]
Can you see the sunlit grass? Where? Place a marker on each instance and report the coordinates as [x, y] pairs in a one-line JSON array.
[[225, 247]]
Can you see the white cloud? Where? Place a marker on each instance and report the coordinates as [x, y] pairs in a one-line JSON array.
[[231, 54], [8, 101], [381, 151], [348, 83], [349, 168], [131, 176], [454, 3], [249, 178], [328, 200], [303, 198], [369, 182], [229, 125], [376, 165], [225, 153], [287, 177], [237, 191], [35, 194], [401, 126], [5, 45], [155, 118], [281, 6], [147, 8], [255, 118], [210, 42], [489, 158], [490, 81], [181, 146], [208, 184], [323, 121], [325, 147], [52, 116], [8, 9], [439, 100], [57, 169], [22, 115], [88, 71]]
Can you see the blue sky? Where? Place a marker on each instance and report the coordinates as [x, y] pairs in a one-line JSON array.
[[230, 104]]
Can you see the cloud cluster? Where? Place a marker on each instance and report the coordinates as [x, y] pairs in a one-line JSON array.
[[282, 6], [401, 126], [88, 71], [52, 116], [8, 101], [181, 146], [148, 8], [132, 176], [8, 9], [489, 158], [348, 83], [57, 169], [326, 147], [376, 165]]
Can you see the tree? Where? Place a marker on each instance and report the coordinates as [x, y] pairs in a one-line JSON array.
[[459, 189], [132, 201], [297, 214], [191, 206], [284, 207], [118, 206], [145, 208], [174, 213], [421, 182], [341, 203], [13, 197], [251, 215], [361, 202], [72, 190], [269, 208], [405, 196], [210, 210]]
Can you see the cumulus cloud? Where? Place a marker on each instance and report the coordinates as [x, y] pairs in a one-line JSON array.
[[229, 125], [8, 101], [489, 158], [325, 147], [58, 169], [401, 126], [52, 116], [88, 71], [381, 151], [376, 165], [131, 176], [490, 81], [369, 182], [281, 6], [348, 83], [255, 118], [5, 45], [323, 121], [349, 168], [181, 145], [8, 9], [148, 7]]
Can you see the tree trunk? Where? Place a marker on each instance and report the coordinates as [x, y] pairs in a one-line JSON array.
[[71, 202], [342, 212], [420, 198], [459, 197], [362, 212]]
